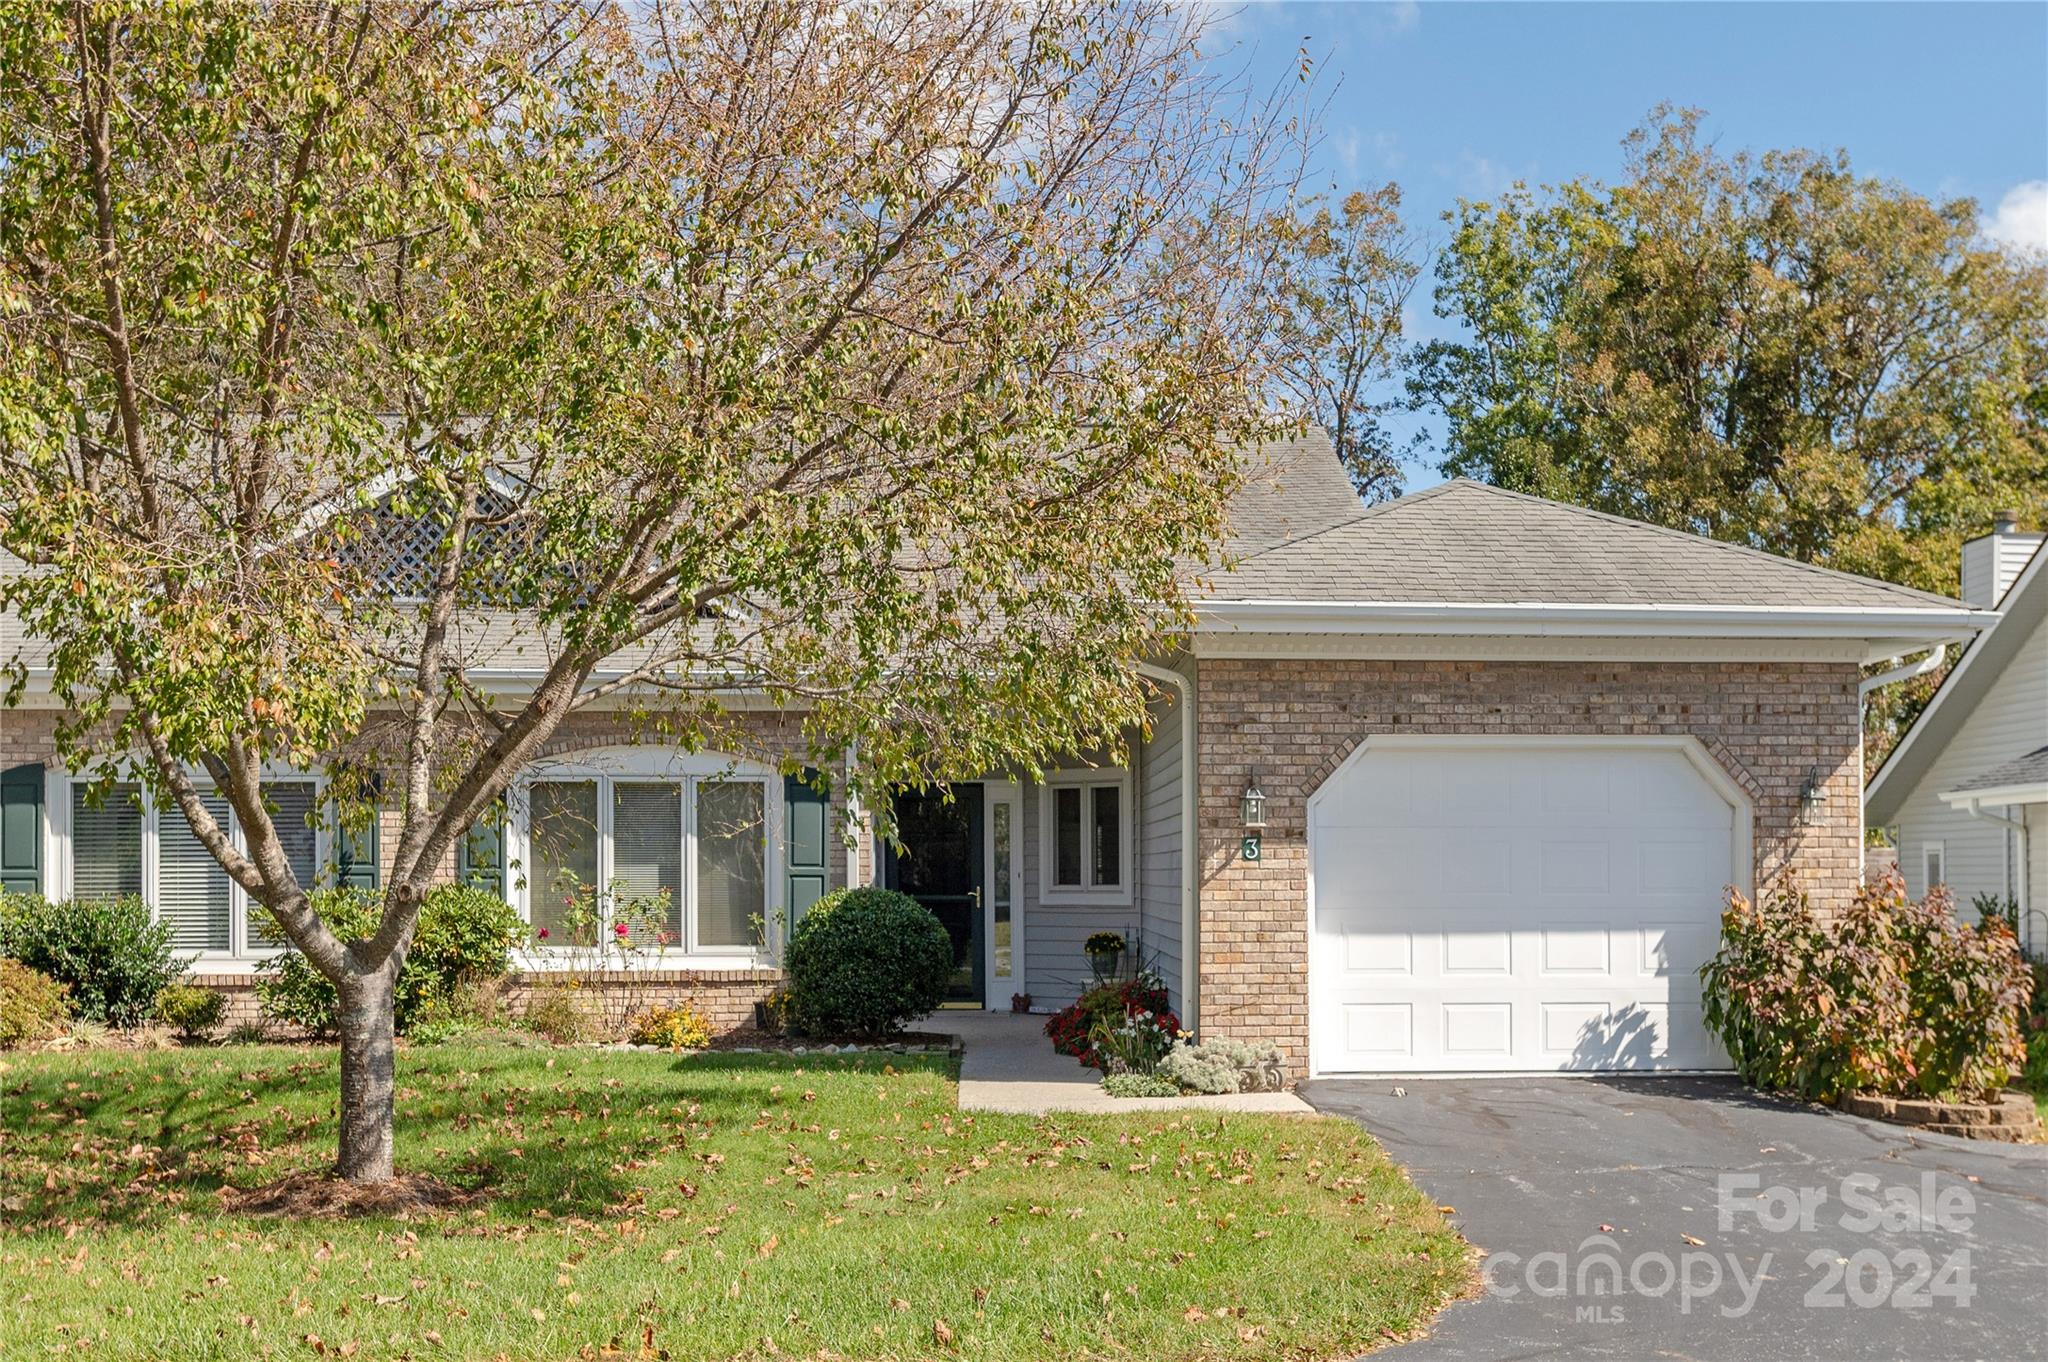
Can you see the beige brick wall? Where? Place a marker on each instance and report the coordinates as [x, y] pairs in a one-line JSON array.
[[1294, 721], [726, 998]]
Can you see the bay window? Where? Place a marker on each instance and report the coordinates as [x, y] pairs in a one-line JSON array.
[[678, 856], [121, 844]]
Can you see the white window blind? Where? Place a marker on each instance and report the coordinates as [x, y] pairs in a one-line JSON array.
[[647, 859], [732, 876], [563, 864], [106, 844], [292, 805], [193, 893]]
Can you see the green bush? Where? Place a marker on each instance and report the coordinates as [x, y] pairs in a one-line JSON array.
[[864, 961], [1890, 996], [108, 952], [33, 1006], [194, 1011], [464, 935]]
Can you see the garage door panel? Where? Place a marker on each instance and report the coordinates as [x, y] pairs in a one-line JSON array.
[[1477, 949], [1379, 952], [1576, 948], [1477, 1031], [1499, 908]]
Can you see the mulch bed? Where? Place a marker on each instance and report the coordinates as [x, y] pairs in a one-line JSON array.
[[301, 1196]]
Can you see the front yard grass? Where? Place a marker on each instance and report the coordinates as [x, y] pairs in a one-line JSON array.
[[642, 1205]]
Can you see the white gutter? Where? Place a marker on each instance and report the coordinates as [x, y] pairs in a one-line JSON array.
[[1906, 672], [1894, 628], [1190, 859]]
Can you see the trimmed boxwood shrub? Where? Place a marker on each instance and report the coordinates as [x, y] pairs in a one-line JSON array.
[[464, 934], [1890, 996], [864, 961], [32, 1004], [108, 952]]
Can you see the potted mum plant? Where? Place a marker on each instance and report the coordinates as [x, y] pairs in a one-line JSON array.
[[1105, 955]]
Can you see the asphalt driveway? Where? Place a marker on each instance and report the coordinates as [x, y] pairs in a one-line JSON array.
[[1686, 1218]]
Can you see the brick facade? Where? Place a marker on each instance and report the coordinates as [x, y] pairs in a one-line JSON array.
[[1771, 725], [726, 998]]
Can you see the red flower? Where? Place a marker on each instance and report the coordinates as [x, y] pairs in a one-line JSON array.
[[618, 929], [543, 933]]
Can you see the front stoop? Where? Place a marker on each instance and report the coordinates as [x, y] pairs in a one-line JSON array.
[[2012, 1119]]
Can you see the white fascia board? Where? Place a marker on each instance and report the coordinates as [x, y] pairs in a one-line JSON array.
[[1967, 801], [1884, 630]]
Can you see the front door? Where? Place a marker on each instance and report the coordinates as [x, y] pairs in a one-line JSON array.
[[939, 863]]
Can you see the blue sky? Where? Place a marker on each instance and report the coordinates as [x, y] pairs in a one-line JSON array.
[[1454, 99]]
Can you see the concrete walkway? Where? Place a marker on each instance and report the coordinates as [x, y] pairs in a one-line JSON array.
[[1009, 1065]]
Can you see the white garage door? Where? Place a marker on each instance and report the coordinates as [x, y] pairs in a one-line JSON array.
[[1535, 906]]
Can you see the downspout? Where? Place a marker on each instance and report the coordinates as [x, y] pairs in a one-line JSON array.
[[1190, 859], [1975, 809]]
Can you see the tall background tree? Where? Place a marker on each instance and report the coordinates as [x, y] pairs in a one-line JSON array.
[[888, 360], [1769, 350], [1350, 271]]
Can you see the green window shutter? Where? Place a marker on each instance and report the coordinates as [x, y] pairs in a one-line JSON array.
[[355, 857], [806, 827], [21, 829], [480, 856]]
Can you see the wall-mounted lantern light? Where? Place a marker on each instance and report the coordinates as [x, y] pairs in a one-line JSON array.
[[1812, 798], [1253, 805]]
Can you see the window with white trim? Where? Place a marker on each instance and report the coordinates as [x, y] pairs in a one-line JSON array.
[[1934, 864], [121, 844], [681, 861], [1087, 834]]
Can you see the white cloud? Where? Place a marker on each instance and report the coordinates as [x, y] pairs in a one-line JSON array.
[[2021, 222]]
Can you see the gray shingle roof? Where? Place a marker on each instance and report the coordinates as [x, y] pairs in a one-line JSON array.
[[1469, 543], [1292, 489], [2032, 769]]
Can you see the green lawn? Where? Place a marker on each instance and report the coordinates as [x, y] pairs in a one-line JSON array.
[[737, 1205]]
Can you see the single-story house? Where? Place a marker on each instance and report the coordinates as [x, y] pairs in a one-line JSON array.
[[1452, 783], [1964, 795]]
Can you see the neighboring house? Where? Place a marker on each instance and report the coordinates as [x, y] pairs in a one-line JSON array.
[[1510, 755], [1965, 793]]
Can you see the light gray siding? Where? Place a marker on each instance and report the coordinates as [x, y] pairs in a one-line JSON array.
[[1161, 769], [1981, 856]]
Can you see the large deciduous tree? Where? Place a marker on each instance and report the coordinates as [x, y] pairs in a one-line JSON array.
[[1770, 350], [1350, 270], [888, 360]]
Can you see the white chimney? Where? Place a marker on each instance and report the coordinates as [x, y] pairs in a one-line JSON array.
[[1993, 562]]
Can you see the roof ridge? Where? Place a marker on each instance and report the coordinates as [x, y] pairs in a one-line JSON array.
[[1363, 513], [1690, 537]]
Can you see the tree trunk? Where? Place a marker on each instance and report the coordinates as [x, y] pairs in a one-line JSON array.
[[366, 1024]]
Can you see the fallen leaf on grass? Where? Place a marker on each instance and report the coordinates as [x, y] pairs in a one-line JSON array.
[[943, 1333]]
